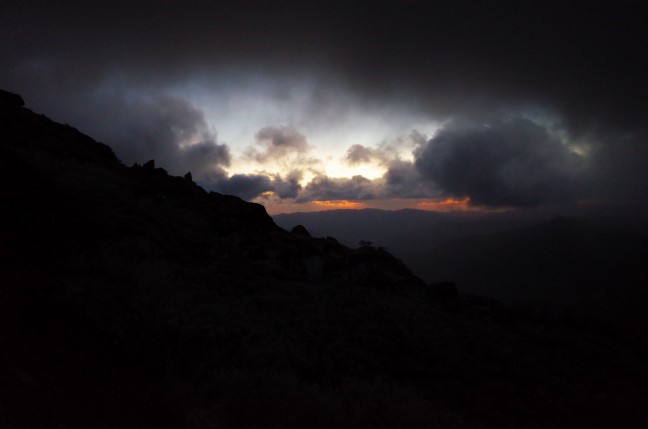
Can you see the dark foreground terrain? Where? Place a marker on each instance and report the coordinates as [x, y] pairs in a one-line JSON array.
[[133, 299]]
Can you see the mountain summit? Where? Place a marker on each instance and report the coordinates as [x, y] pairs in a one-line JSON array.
[[131, 298]]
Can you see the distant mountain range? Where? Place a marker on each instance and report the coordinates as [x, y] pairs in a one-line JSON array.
[[133, 299], [576, 262], [407, 233]]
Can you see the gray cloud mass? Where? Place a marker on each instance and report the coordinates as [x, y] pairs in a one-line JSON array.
[[328, 188], [246, 186], [277, 143], [358, 154], [509, 162], [167, 129], [116, 71]]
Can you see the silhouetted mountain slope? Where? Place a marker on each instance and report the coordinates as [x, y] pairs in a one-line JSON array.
[[583, 263], [130, 298], [409, 234]]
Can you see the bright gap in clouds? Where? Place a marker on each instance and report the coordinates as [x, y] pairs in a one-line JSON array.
[[296, 144], [330, 120]]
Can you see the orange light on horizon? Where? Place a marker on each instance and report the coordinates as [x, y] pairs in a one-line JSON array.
[[445, 205], [339, 204]]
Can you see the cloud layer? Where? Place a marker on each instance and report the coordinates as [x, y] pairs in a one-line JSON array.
[[519, 86]]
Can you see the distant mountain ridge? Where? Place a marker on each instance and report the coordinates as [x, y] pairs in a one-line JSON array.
[[133, 299], [409, 234], [516, 258]]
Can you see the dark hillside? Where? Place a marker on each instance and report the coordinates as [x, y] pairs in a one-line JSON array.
[[592, 263], [133, 299], [411, 235]]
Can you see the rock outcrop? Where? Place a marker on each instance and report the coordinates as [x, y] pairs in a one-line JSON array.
[[9, 99], [300, 230]]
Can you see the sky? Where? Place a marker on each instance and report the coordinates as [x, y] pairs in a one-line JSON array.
[[301, 106]]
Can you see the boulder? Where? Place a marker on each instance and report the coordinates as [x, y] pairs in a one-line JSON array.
[[300, 230]]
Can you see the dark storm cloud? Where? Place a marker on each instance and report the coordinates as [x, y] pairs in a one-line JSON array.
[[587, 60], [584, 62], [246, 186], [250, 186], [509, 162], [403, 180], [289, 186], [328, 188], [166, 129]]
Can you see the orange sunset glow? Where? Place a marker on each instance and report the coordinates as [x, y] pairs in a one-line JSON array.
[[448, 204], [340, 204]]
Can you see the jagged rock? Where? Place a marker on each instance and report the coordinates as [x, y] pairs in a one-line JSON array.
[[188, 176], [21, 128], [301, 231], [149, 165], [9, 99], [238, 214]]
